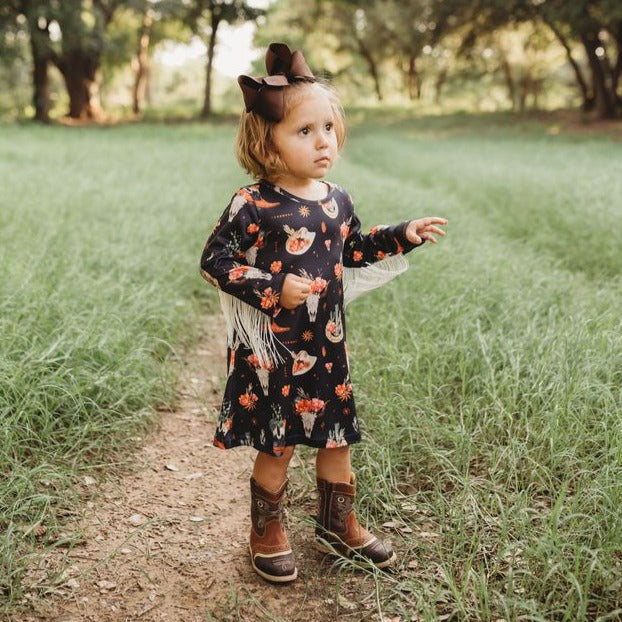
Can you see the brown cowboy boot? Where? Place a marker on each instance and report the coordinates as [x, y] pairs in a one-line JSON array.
[[271, 555], [338, 532]]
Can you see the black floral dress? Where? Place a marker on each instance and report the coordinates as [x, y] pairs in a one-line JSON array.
[[303, 395]]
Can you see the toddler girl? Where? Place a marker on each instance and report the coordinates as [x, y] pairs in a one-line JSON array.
[[287, 255]]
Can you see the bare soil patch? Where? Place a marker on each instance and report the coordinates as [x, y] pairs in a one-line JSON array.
[[167, 541]]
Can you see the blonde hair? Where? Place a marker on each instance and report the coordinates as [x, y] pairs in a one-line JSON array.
[[253, 145]]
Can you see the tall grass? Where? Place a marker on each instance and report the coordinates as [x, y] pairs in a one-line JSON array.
[[100, 234], [493, 395], [488, 377]]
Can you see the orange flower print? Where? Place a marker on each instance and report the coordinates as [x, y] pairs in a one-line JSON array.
[[380, 255], [304, 404], [252, 228], [374, 230], [285, 390], [344, 391], [253, 360], [345, 230], [323, 227], [318, 285], [269, 299], [338, 270], [304, 211], [307, 335], [357, 256], [275, 267], [248, 399]]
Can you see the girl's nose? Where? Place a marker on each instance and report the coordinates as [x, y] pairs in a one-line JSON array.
[[321, 141]]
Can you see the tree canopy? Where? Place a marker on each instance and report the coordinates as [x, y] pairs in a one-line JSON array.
[[416, 48]]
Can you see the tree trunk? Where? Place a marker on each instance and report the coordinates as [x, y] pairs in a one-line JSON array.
[[509, 81], [142, 61], [588, 99], [206, 112], [40, 81], [617, 70], [605, 106], [371, 65], [524, 89], [414, 82], [41, 57], [79, 71], [440, 82]]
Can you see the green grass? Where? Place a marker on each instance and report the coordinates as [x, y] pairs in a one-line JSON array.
[[101, 231], [489, 377], [493, 394]]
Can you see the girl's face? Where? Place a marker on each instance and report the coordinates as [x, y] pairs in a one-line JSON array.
[[305, 139]]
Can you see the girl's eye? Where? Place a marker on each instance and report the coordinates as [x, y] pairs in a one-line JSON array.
[[304, 131], [329, 127]]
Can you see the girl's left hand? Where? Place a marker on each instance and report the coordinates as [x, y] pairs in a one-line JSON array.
[[424, 229]]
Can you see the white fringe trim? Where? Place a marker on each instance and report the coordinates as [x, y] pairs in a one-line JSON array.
[[250, 327], [357, 281], [253, 329]]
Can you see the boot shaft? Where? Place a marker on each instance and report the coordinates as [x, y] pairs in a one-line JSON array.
[[271, 554], [266, 506], [336, 505], [338, 530]]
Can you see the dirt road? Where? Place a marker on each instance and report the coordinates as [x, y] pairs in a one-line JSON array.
[[168, 540]]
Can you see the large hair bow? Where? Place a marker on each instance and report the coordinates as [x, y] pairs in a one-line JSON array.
[[265, 95]]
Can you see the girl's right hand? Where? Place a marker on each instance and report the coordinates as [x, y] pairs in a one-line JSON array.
[[296, 290]]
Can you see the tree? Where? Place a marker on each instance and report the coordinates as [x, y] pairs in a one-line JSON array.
[[204, 17], [71, 35], [588, 22], [409, 27], [597, 24], [159, 20], [347, 35], [132, 36], [15, 15]]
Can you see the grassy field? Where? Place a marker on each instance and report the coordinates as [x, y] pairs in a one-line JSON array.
[[492, 395]]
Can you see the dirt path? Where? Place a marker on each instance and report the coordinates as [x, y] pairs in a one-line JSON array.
[[168, 541]]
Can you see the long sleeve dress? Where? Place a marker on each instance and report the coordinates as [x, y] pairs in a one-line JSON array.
[[288, 377]]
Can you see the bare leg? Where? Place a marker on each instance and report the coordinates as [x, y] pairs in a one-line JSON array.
[[270, 471], [338, 530], [333, 465]]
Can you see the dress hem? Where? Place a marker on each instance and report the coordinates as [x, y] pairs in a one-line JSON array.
[[350, 440]]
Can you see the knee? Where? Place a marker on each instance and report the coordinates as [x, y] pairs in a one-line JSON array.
[[333, 452], [275, 464]]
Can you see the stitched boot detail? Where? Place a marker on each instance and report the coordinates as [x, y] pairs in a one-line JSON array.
[[337, 530], [271, 555]]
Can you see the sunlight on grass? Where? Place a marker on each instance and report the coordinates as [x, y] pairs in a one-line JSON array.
[[488, 378]]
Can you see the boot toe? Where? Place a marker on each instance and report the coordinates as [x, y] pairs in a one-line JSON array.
[[279, 568], [378, 553]]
